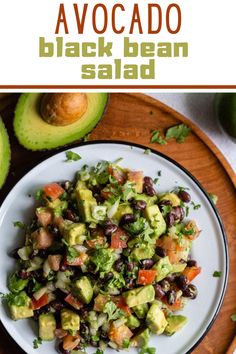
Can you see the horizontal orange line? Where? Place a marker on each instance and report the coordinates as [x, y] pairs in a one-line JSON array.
[[7, 87]]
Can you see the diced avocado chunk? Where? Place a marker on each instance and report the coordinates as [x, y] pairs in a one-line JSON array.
[[74, 233], [22, 311], [175, 323], [156, 320], [70, 321], [86, 201], [178, 267], [163, 267], [141, 310], [172, 197], [142, 252], [155, 218], [132, 322], [139, 296], [149, 200], [47, 326], [57, 205], [83, 289], [141, 339], [16, 284], [123, 209]]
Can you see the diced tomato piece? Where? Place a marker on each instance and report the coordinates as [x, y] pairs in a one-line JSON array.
[[106, 194], [177, 305], [191, 272], [174, 251], [42, 301], [54, 261], [70, 342], [70, 299], [78, 261], [146, 276], [191, 225], [99, 240], [122, 305], [137, 178], [119, 175], [53, 190], [44, 216], [42, 238], [119, 334], [119, 239], [100, 301]]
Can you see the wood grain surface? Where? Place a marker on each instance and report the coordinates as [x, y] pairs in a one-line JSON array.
[[131, 117]]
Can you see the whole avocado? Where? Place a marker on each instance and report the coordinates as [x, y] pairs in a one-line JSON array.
[[37, 131], [5, 153], [225, 107]]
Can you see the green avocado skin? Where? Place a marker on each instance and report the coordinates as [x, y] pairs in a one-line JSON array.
[[225, 106], [35, 134], [5, 153]]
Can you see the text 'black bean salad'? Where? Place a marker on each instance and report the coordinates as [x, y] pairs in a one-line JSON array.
[[106, 261]]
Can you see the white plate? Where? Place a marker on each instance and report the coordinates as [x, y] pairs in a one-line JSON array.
[[210, 249]]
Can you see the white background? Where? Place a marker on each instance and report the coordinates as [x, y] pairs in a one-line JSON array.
[[208, 25]]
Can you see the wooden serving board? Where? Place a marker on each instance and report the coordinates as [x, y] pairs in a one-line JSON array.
[[131, 117]]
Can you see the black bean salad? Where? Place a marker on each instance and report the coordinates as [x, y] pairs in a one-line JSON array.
[[106, 261]]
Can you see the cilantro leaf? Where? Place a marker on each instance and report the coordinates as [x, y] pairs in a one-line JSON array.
[[126, 343], [233, 317], [157, 138], [37, 342], [99, 351], [72, 156], [39, 194], [195, 206], [103, 259], [178, 132], [146, 350], [147, 151], [213, 197], [71, 252], [217, 274], [112, 311], [19, 224], [136, 227], [19, 299]]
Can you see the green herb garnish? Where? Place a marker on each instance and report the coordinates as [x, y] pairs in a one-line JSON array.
[[72, 156], [147, 151], [146, 350], [37, 342], [213, 197], [19, 224], [126, 343], [113, 312], [233, 317], [157, 138], [178, 132], [39, 194], [196, 206], [217, 274]]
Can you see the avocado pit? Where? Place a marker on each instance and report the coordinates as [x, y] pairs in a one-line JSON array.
[[63, 108]]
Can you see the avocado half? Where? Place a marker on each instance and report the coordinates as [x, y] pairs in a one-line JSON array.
[[5, 153], [35, 134]]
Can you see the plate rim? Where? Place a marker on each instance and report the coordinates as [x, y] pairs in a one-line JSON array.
[[191, 176]]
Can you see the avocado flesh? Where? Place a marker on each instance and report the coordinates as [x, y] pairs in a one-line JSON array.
[[156, 320], [175, 323], [139, 295], [83, 290], [35, 134], [47, 326], [5, 153], [70, 321]]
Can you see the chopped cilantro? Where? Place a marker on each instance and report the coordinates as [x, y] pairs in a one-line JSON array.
[[126, 343], [196, 206], [155, 180], [178, 132], [233, 317], [165, 209], [213, 197], [187, 210], [39, 194], [217, 274], [147, 151], [19, 299], [136, 227], [19, 224], [113, 312], [145, 350], [157, 138], [37, 342], [72, 156], [99, 351], [95, 338], [159, 173], [71, 252], [188, 232]]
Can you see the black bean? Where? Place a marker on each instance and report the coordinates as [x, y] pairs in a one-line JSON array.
[[139, 204], [66, 185], [191, 263], [184, 196], [170, 219], [148, 181], [14, 253], [23, 274], [160, 251], [165, 285], [126, 219], [181, 281], [164, 202], [109, 228], [190, 292], [147, 263], [104, 336], [57, 305], [64, 267], [94, 343], [108, 276], [182, 261], [69, 215], [171, 297], [178, 213], [149, 190], [159, 293], [170, 278], [84, 330], [42, 253], [129, 283], [119, 264], [131, 266], [84, 312]]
